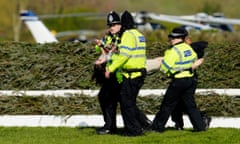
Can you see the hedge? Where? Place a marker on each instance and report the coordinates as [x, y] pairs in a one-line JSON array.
[[27, 66]]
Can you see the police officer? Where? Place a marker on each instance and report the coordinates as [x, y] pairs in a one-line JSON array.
[[110, 88], [177, 115], [132, 62], [176, 64]]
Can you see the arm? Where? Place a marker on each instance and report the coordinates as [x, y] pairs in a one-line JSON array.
[[154, 64], [197, 63], [101, 59], [199, 47], [167, 62]]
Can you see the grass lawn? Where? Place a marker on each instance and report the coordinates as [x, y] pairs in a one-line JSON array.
[[86, 135]]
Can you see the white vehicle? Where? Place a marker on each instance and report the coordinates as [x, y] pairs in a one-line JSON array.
[[39, 31], [199, 21], [42, 34]]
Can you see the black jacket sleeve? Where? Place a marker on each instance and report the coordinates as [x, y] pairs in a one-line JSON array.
[[199, 47]]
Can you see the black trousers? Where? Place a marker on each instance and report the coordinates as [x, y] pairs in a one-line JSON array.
[[180, 109], [177, 114], [181, 89], [134, 119], [108, 98]]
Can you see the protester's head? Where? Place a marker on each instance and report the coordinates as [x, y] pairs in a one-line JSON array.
[[127, 21], [114, 22]]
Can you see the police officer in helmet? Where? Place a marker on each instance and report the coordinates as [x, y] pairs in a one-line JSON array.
[[132, 62], [177, 115], [176, 64], [113, 18]]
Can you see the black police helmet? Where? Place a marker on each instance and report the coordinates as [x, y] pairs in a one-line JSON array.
[[127, 20], [178, 33], [113, 18]]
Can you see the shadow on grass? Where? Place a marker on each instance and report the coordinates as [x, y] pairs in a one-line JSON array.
[[121, 132]]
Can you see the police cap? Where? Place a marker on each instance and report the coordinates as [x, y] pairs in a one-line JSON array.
[[127, 20], [178, 33], [113, 18]]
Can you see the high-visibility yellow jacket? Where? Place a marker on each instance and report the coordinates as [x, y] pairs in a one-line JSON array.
[[178, 60], [132, 54]]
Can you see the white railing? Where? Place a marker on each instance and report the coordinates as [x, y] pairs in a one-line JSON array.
[[96, 121], [143, 92]]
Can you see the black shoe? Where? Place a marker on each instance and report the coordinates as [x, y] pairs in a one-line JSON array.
[[178, 127], [197, 130], [102, 131], [157, 130], [128, 134], [207, 120], [147, 126]]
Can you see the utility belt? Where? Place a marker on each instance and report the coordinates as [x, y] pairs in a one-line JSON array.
[[172, 75], [143, 71]]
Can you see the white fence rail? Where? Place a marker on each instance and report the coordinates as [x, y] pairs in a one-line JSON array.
[[143, 92], [95, 121]]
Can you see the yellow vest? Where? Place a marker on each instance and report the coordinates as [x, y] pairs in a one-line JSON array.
[[132, 53], [177, 60]]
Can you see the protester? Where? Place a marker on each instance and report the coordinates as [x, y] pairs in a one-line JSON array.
[[110, 88]]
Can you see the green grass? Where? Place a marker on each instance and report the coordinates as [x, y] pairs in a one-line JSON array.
[[64, 135]]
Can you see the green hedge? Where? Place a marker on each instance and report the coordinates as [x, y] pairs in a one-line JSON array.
[[25, 66], [79, 104]]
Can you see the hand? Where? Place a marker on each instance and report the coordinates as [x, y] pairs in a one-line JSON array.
[[113, 49], [159, 59], [98, 42], [107, 74]]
